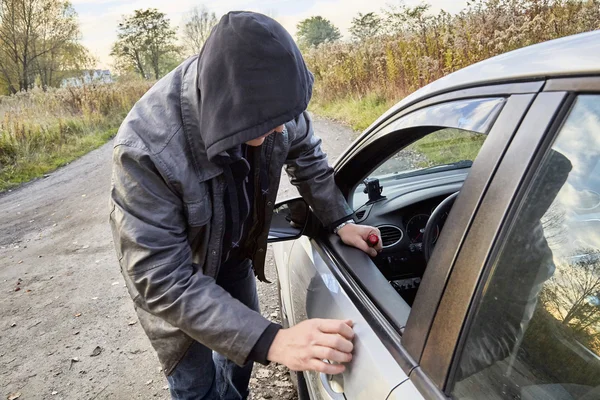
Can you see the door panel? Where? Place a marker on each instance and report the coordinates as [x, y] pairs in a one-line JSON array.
[[316, 293], [449, 318]]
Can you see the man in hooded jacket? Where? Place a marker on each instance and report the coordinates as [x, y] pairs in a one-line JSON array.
[[196, 168]]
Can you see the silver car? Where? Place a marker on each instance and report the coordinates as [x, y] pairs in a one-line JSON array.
[[485, 185]]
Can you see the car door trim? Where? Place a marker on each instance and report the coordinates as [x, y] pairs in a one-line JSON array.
[[328, 248], [440, 265], [449, 319], [425, 385], [583, 84]]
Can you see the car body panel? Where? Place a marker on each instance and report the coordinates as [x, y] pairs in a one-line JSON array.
[[316, 293], [281, 254]]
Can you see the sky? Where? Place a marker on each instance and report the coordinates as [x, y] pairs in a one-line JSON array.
[[99, 18]]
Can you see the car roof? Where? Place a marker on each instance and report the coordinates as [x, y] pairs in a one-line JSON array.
[[569, 56]]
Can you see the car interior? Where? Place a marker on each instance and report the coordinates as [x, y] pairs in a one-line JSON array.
[[408, 196], [402, 216]]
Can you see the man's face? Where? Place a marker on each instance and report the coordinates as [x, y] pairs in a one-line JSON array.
[[258, 141]]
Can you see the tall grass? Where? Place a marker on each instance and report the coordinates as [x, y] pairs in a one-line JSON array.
[[40, 131], [421, 48]]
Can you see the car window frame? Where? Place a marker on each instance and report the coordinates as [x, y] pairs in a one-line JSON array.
[[447, 335], [519, 97]]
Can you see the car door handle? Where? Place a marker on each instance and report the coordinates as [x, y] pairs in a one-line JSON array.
[[332, 386]]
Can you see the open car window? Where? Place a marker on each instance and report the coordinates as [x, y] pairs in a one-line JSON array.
[[457, 130]]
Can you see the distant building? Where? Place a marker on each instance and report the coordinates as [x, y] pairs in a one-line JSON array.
[[88, 77]]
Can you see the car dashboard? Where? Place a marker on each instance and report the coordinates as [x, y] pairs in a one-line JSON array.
[[401, 216]]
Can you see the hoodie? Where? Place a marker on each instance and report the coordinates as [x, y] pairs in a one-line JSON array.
[[252, 79]]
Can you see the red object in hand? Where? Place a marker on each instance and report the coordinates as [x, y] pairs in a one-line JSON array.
[[373, 239]]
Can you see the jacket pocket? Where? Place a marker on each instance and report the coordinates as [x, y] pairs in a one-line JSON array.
[[198, 213]]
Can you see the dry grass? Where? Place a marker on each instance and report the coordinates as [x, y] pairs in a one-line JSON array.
[[355, 81], [40, 131]]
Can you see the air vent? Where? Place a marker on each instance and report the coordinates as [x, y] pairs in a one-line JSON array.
[[360, 214], [390, 235]]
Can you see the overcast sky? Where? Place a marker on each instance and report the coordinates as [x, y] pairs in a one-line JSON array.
[[99, 18]]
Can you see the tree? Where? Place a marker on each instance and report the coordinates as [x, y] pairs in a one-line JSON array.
[[63, 62], [365, 26], [573, 292], [145, 43], [31, 33], [403, 18], [196, 29], [316, 30]]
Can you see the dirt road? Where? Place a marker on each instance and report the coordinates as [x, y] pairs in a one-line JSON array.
[[68, 328]]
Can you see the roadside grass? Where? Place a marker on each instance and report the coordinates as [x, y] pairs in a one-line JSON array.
[[42, 131], [357, 112], [36, 164]]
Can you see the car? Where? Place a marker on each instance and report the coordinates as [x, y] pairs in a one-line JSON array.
[[484, 186]]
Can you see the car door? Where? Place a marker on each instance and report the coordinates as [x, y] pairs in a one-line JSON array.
[[519, 317], [329, 280]]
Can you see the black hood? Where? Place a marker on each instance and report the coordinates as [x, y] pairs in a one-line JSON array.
[[252, 78]]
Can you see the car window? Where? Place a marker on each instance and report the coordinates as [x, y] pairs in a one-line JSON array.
[[446, 147], [461, 127], [535, 333]]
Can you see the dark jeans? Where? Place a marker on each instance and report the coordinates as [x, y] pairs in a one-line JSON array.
[[202, 374]]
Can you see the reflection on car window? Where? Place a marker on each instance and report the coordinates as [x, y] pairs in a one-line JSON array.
[[536, 332]]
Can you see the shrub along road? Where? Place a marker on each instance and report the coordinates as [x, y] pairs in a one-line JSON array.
[[68, 326]]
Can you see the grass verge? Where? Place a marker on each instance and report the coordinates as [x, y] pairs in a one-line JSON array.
[[40, 163], [43, 130]]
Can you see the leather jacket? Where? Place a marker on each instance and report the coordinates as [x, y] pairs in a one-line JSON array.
[[167, 217]]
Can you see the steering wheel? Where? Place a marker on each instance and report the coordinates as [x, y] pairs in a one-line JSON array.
[[435, 224]]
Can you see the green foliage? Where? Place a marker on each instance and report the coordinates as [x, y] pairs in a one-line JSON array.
[[38, 40], [146, 43], [196, 28], [317, 30], [40, 131], [365, 26], [419, 47], [448, 146]]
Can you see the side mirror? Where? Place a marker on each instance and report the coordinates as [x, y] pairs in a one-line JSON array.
[[289, 220]]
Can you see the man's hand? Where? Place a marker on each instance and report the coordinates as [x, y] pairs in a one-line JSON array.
[[358, 235], [303, 347]]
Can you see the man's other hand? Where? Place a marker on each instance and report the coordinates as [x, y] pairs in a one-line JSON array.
[[358, 236], [303, 347]]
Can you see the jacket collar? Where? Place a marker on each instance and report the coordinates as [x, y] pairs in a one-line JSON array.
[[190, 115]]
